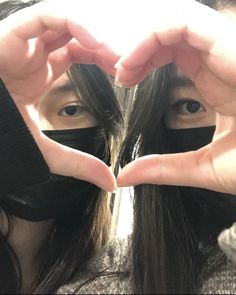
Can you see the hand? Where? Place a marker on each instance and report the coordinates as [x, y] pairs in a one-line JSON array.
[[200, 42], [38, 44]]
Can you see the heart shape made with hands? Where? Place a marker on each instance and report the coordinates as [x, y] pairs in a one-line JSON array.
[[47, 42]]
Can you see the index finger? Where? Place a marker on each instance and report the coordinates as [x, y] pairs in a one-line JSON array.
[[184, 26], [33, 21]]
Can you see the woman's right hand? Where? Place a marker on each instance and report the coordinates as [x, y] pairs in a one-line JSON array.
[[37, 45], [201, 42]]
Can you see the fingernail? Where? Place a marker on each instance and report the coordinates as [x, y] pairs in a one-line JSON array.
[[109, 188], [117, 65], [118, 182], [113, 188], [117, 82]]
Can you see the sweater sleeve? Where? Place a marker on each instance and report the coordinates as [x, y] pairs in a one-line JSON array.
[[21, 162]]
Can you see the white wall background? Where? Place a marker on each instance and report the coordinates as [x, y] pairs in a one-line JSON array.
[[122, 223]]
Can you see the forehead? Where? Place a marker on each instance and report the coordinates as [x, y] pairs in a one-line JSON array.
[[178, 79], [61, 81], [62, 85]]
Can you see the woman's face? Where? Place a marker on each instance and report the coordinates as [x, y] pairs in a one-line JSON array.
[[63, 108], [187, 108]]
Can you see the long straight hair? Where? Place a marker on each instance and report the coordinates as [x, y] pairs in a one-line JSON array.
[[173, 234], [76, 238]]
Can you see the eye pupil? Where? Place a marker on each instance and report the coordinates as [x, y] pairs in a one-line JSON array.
[[193, 106], [71, 110]]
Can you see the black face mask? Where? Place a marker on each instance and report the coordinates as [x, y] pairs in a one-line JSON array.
[[184, 140], [217, 210], [60, 196]]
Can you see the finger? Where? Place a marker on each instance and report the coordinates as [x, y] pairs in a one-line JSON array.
[[56, 27], [184, 169], [69, 162], [61, 59], [21, 31], [132, 79], [58, 42], [185, 27], [50, 36], [128, 77], [104, 57], [34, 21], [30, 23], [57, 63], [224, 124]]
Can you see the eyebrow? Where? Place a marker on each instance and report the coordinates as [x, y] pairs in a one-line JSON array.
[[67, 87], [181, 82]]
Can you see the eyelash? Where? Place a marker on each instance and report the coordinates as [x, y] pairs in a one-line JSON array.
[[80, 110], [178, 105]]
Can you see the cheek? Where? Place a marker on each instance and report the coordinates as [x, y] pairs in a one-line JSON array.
[[88, 120], [44, 124], [209, 119], [46, 120], [55, 122], [202, 119], [39, 117], [169, 121]]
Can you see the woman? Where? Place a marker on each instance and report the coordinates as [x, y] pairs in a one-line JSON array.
[[176, 227], [51, 226]]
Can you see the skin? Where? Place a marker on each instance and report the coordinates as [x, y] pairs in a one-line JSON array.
[[52, 114], [205, 52], [55, 107]]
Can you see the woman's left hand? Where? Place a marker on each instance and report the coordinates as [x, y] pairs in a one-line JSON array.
[[201, 42], [37, 45]]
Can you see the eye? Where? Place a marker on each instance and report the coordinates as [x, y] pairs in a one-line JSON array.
[[72, 111], [188, 106]]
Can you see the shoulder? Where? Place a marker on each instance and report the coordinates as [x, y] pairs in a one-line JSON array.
[[107, 273], [219, 275], [222, 280]]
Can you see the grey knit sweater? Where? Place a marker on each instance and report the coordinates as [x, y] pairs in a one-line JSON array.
[[115, 260], [218, 275]]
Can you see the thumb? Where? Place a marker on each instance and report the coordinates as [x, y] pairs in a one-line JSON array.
[[183, 169], [66, 161]]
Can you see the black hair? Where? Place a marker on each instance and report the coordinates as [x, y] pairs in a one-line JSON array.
[[174, 234], [76, 238]]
